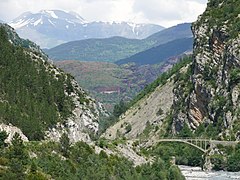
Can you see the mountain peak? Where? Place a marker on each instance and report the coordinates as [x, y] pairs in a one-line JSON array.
[[49, 17], [50, 13], [49, 28]]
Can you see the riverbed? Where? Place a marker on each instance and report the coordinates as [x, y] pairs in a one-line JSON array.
[[196, 173]]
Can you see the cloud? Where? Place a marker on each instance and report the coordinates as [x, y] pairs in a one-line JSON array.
[[169, 12], [162, 12]]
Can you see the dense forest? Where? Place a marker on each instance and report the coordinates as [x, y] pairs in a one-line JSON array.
[[31, 98]]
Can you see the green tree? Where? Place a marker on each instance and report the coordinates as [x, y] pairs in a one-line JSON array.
[[175, 174], [65, 144], [18, 158], [233, 160], [119, 108], [3, 137], [218, 161], [185, 131]]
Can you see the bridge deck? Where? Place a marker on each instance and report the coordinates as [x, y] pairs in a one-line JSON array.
[[199, 143]]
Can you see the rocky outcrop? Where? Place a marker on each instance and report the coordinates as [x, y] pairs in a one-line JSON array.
[[214, 98], [11, 130], [83, 122]]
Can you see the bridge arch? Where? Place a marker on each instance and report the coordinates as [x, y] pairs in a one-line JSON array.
[[182, 141]]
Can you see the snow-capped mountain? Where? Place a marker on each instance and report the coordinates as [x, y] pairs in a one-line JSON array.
[[50, 28]]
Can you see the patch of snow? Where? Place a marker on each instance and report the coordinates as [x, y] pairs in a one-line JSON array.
[[134, 26], [71, 22], [85, 25], [67, 26], [37, 22], [20, 23], [52, 13], [51, 22]]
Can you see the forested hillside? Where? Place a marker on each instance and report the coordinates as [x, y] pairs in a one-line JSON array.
[[35, 95]]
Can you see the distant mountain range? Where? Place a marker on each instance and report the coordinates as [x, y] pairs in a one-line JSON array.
[[160, 53], [170, 34], [49, 28], [118, 48]]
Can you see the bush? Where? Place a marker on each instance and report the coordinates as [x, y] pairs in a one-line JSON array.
[[128, 128], [218, 161]]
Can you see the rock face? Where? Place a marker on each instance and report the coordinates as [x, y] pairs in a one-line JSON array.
[[214, 97], [82, 123], [11, 130]]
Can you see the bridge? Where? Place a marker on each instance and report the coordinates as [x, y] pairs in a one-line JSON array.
[[199, 143]]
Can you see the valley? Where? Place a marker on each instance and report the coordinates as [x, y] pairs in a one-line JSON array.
[[109, 83], [161, 104]]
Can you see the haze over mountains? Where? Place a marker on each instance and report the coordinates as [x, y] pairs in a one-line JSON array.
[[49, 28], [116, 48], [160, 53]]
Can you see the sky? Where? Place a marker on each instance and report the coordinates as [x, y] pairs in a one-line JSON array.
[[163, 12]]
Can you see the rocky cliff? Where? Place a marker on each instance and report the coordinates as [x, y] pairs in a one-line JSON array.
[[40, 99], [213, 100]]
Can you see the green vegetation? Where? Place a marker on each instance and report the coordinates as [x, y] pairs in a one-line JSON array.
[[161, 80], [160, 53], [48, 161], [108, 50], [3, 136], [128, 128], [32, 98], [223, 12], [228, 159], [116, 48], [108, 83], [118, 110], [184, 154], [235, 75]]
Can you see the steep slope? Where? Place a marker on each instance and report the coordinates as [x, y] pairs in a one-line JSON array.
[[39, 98], [115, 48], [213, 100], [160, 53], [49, 28], [150, 108]]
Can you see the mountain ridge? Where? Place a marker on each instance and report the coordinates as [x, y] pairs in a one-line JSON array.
[[160, 53], [59, 26], [115, 48]]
